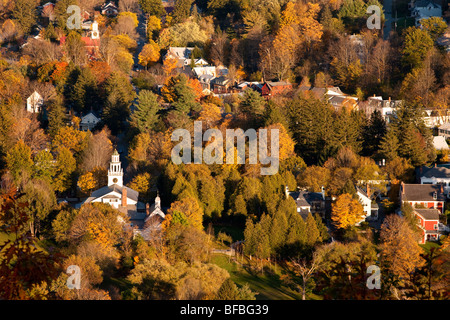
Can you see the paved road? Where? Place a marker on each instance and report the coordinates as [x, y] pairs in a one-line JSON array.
[[142, 39], [387, 6]]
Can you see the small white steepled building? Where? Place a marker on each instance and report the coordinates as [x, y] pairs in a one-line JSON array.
[[115, 193]]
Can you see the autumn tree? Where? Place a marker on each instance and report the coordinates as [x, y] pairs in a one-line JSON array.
[[19, 162], [315, 178], [149, 54], [417, 43], [97, 153], [153, 27], [400, 252], [74, 49], [65, 166], [190, 209], [434, 25], [343, 270], [41, 199], [86, 182], [346, 211], [305, 269], [25, 271]]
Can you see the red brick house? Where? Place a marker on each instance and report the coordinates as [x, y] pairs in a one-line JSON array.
[[270, 88], [428, 196], [428, 220]]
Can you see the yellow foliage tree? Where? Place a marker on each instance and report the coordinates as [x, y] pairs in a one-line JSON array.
[[71, 138], [210, 115], [191, 210], [153, 25], [400, 251], [86, 182], [346, 211], [149, 54], [100, 234], [289, 15], [132, 15], [169, 65], [309, 27], [286, 144]]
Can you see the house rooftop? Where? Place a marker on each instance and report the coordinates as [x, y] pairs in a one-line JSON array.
[[132, 194], [422, 192], [428, 214], [436, 172]]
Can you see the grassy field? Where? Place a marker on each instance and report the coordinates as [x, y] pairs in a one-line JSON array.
[[268, 286]]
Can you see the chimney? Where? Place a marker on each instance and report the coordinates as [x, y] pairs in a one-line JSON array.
[[442, 188], [402, 186], [368, 190], [147, 209], [435, 165], [124, 197]]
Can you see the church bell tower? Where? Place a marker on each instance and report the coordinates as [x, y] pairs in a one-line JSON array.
[[115, 172]]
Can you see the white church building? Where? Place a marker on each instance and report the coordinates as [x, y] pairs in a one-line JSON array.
[[142, 217]]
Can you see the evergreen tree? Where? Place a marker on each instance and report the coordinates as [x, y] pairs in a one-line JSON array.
[[44, 168], [152, 7], [389, 145], [312, 123], [228, 291], [24, 14], [277, 234], [120, 94], [321, 227], [374, 132], [296, 235], [182, 10], [84, 92], [312, 232], [56, 116], [184, 100], [412, 145], [272, 115], [252, 107], [144, 117]]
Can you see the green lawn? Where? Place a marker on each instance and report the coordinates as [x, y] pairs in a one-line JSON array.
[[429, 244], [269, 286]]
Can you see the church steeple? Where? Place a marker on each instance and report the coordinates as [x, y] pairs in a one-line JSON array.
[[157, 200], [115, 172]]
